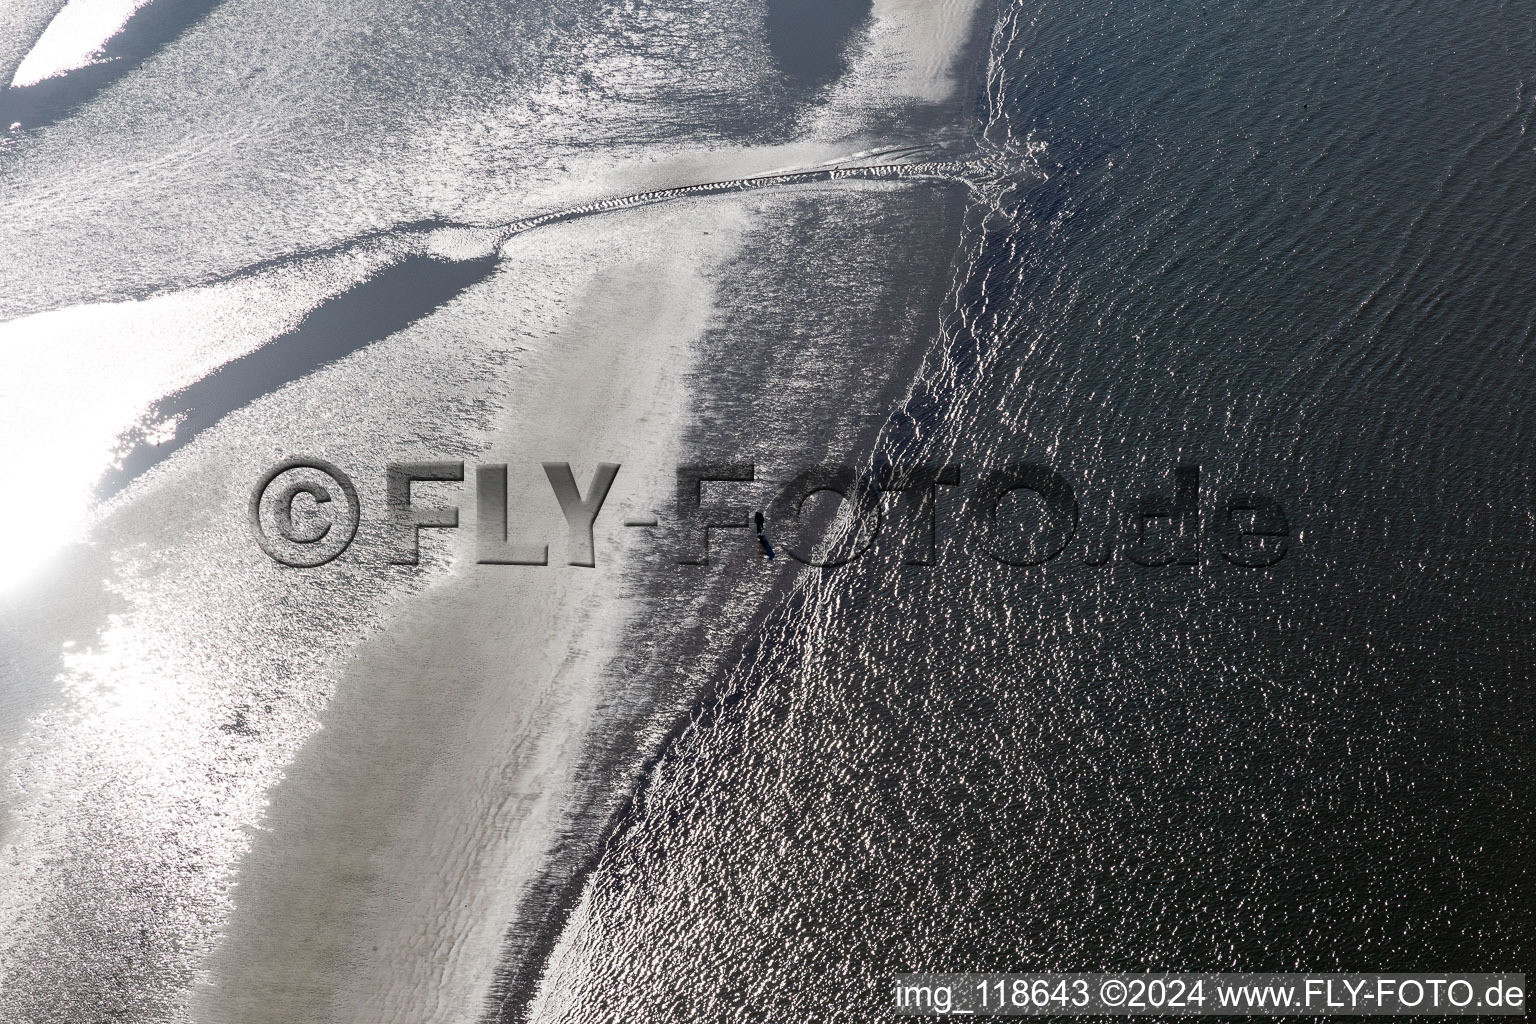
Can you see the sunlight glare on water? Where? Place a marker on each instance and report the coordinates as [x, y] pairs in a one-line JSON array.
[[75, 38], [84, 376]]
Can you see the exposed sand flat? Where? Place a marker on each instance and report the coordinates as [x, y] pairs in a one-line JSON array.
[[397, 847], [455, 755]]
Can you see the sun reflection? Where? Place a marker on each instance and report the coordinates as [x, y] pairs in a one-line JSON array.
[[73, 381], [75, 38], [64, 397]]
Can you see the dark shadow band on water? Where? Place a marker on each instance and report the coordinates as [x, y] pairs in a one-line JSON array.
[[150, 29], [386, 303], [809, 38]]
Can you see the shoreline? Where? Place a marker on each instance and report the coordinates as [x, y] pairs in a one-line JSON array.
[[679, 625], [518, 987], [520, 977]]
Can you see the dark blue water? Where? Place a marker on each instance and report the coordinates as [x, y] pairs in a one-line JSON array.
[[1290, 243]]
